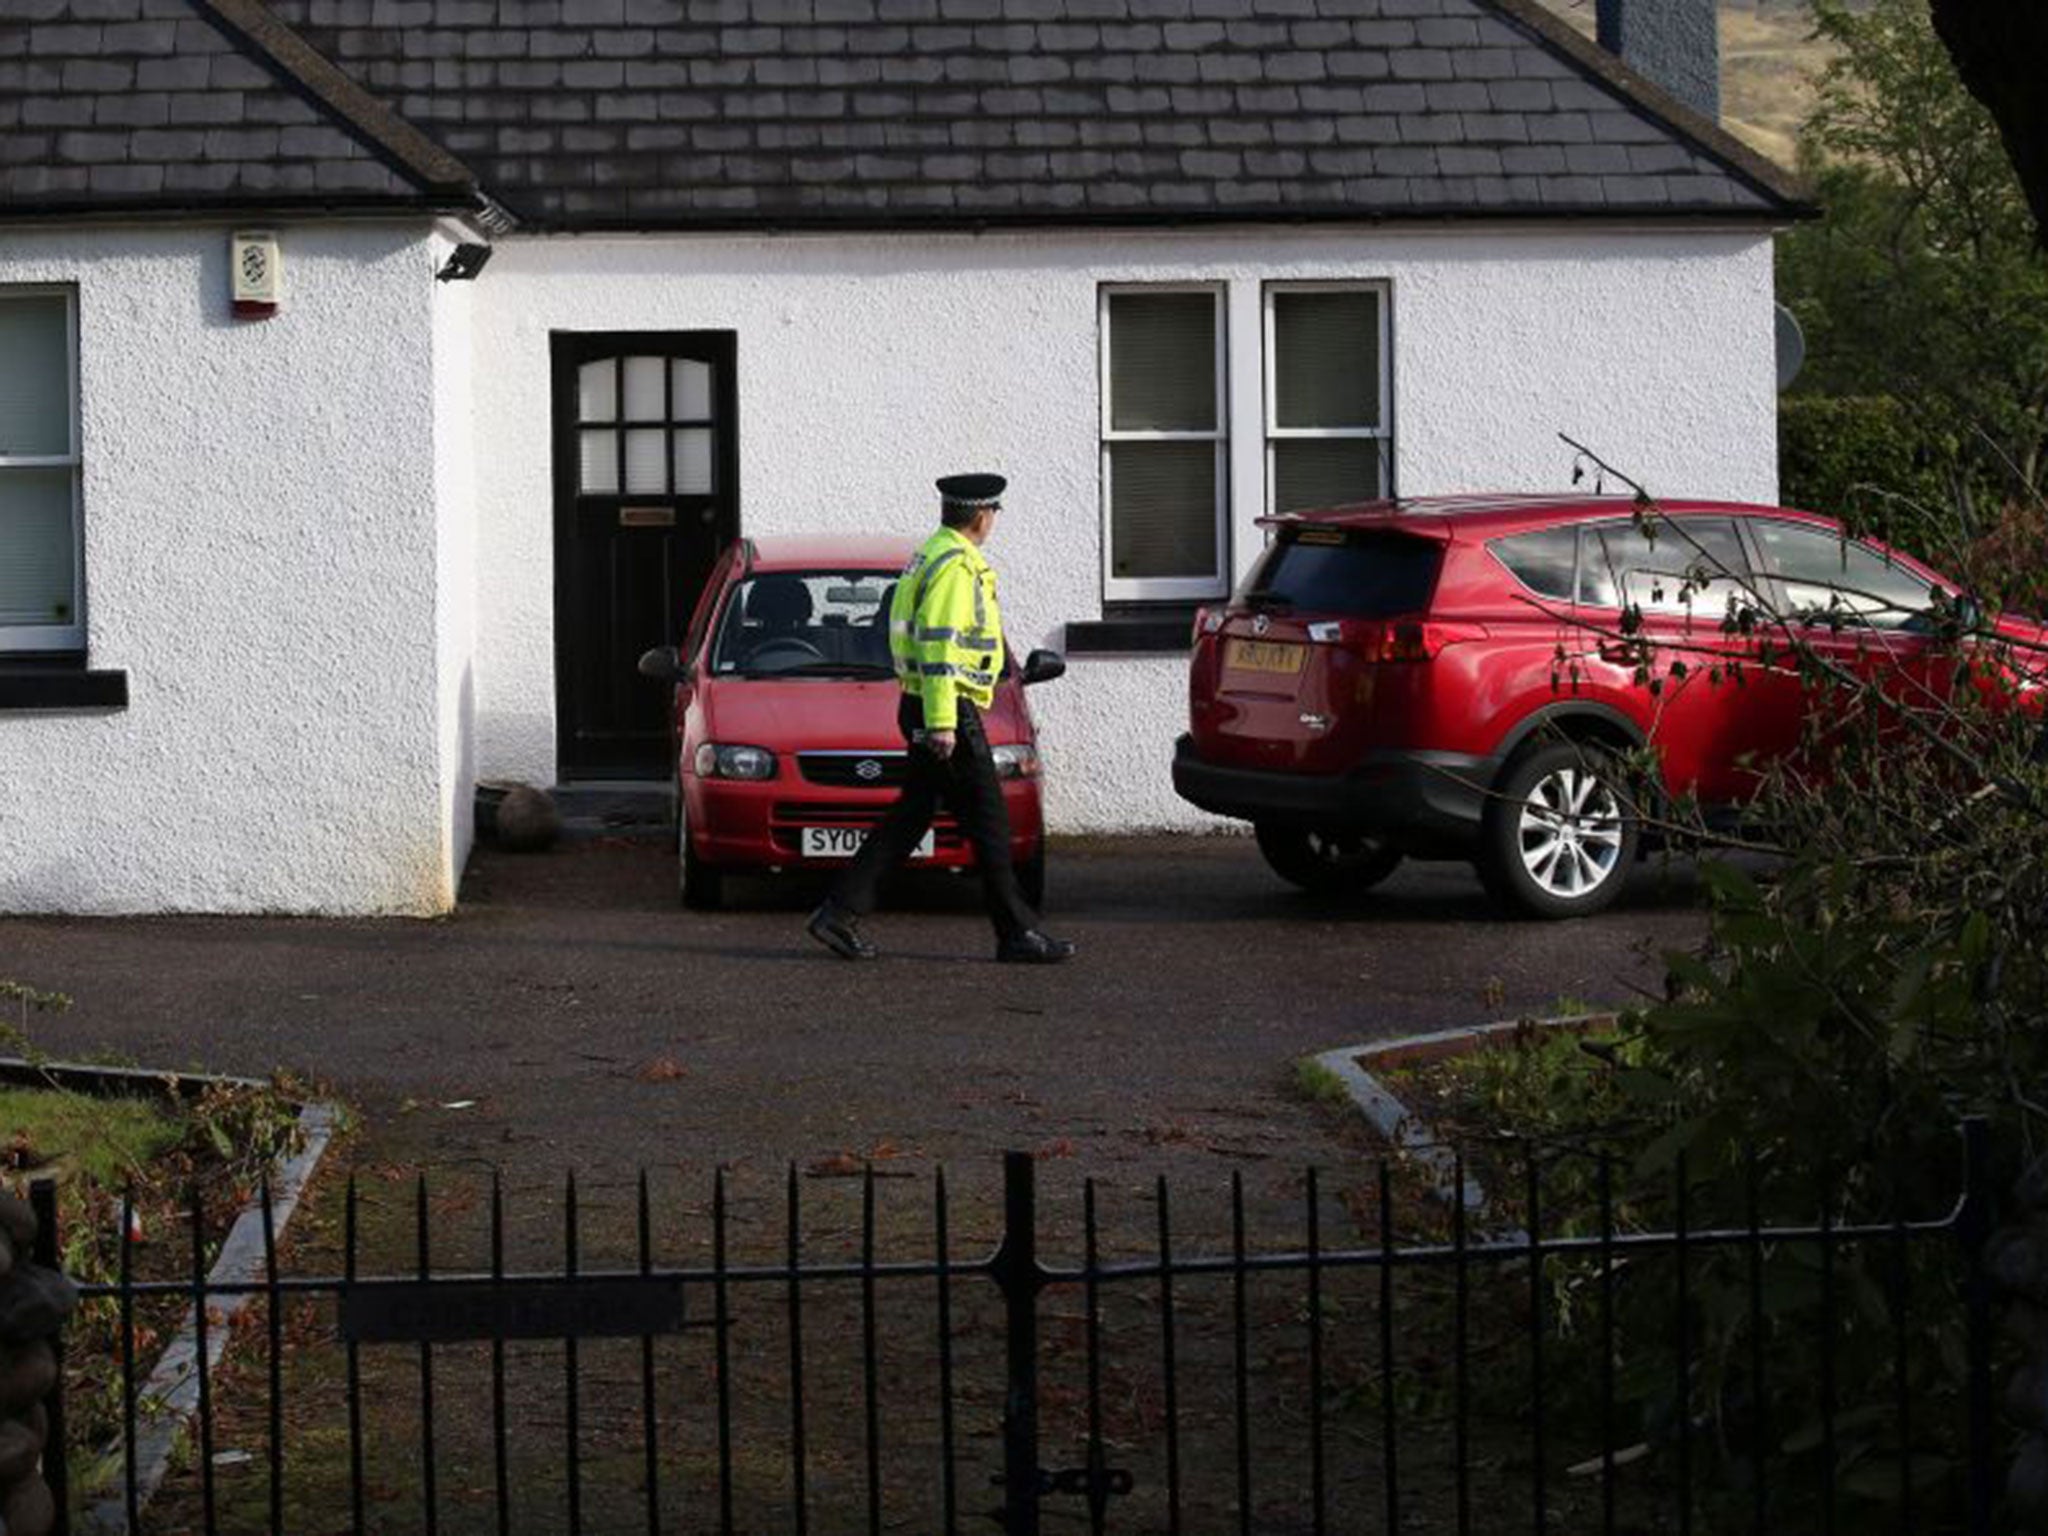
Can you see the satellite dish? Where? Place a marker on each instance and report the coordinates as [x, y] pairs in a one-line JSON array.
[[1791, 348]]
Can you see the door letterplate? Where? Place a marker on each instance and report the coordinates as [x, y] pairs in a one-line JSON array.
[[647, 517]]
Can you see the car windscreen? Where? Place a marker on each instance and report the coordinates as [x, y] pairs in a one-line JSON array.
[[1355, 573], [820, 623]]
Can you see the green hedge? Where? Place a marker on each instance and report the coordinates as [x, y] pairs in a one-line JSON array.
[[1872, 462], [1866, 460]]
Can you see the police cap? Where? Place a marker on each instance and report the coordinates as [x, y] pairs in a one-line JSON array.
[[971, 490]]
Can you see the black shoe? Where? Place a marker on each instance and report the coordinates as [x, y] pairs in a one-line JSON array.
[[839, 931], [1034, 948]]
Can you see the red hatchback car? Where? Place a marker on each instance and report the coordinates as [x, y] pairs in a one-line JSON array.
[[787, 751], [1449, 679]]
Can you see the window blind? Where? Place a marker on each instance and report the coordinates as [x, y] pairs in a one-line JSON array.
[[1162, 362], [38, 554], [1324, 472], [1327, 362], [35, 377], [1162, 510]]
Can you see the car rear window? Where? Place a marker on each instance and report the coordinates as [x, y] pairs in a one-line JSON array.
[[1364, 574]]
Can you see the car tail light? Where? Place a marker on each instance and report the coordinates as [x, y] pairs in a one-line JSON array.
[[1420, 640]]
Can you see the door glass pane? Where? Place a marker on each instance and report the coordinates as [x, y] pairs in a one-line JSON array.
[[1162, 509], [600, 464], [645, 397], [1324, 472], [646, 462], [693, 461], [693, 390], [1162, 362], [1694, 566], [1326, 363], [597, 391], [38, 553], [1824, 573], [35, 377]]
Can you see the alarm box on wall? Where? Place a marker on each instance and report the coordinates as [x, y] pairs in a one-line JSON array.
[[257, 273]]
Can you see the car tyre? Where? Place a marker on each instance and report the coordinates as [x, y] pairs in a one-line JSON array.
[[1331, 864], [1559, 834], [1031, 879], [700, 886]]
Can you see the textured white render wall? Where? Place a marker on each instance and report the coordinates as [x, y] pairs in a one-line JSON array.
[[261, 559], [455, 559], [869, 365]]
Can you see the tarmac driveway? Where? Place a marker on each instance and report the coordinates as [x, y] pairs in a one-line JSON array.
[[582, 1020], [569, 1016]]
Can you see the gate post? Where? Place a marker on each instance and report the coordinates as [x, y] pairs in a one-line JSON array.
[[35, 1300], [1017, 1271], [1974, 1227], [2016, 1262]]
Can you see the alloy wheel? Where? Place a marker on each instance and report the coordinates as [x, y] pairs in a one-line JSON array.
[[1570, 832]]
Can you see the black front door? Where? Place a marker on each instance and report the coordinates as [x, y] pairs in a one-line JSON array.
[[646, 496]]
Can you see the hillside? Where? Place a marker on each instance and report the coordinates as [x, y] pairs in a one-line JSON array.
[[1768, 55]]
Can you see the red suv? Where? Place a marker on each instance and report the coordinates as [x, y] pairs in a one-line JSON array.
[[1450, 679], [787, 751]]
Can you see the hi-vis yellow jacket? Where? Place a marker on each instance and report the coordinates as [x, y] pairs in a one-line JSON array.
[[945, 635]]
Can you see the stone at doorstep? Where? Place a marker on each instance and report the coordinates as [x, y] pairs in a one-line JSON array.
[[20, 1445], [35, 1302], [17, 1220]]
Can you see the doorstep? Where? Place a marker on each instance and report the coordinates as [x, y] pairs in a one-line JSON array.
[[615, 808]]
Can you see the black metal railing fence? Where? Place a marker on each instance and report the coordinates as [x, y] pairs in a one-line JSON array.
[[1516, 1368]]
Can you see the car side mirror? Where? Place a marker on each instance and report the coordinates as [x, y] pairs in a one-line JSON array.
[[662, 662], [1043, 667], [1955, 616]]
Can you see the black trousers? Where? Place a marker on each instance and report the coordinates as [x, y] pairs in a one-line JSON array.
[[965, 783]]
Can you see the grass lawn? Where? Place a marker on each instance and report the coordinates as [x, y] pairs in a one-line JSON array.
[[107, 1142], [155, 1147]]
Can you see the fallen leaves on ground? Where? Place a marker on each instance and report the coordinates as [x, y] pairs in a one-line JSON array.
[[852, 1165]]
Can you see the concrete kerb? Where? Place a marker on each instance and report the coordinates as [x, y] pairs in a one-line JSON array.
[[168, 1400], [1354, 1066]]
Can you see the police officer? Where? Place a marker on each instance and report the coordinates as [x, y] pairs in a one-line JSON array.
[[946, 639]]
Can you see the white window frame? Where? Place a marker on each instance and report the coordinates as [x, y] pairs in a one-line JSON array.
[[17, 638], [1165, 589], [1383, 433]]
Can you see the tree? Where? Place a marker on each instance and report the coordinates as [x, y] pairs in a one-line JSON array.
[[1924, 281], [2000, 48], [1880, 976]]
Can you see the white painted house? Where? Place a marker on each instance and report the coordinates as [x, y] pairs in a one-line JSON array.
[[278, 586]]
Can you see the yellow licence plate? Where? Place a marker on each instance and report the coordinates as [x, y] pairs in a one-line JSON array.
[[1262, 656]]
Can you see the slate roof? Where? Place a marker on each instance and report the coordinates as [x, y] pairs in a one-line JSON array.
[[167, 105], [647, 114]]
